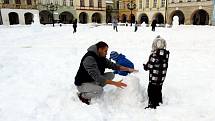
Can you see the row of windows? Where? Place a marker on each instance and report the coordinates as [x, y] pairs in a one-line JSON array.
[[123, 5], [91, 3], [57, 2], [181, 1], [155, 3], [65, 3], [29, 2]]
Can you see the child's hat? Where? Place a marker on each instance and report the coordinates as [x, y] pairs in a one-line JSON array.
[[114, 55], [158, 43]]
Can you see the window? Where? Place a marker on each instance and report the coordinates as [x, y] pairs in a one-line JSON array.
[[6, 1], [29, 2], [147, 3], [91, 3], [198, 0], [18, 2], [64, 2], [155, 4], [163, 3], [109, 7], [140, 4], [82, 3], [99, 3], [71, 3], [120, 5]]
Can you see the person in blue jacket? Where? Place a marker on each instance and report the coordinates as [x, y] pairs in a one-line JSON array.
[[121, 60]]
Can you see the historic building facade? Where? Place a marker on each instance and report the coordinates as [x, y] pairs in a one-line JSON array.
[[125, 14], [62, 11], [17, 11], [147, 10], [112, 10], [91, 11], [22, 11], [85, 11], [197, 12]]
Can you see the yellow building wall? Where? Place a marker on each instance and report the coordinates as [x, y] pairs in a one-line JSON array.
[[123, 9]]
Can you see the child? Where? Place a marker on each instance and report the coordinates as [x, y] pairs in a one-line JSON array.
[[157, 66], [121, 60]]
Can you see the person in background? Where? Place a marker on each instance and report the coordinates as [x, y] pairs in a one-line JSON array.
[[115, 24], [154, 22], [136, 26], [74, 25]]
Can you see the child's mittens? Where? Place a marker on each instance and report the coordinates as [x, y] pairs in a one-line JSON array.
[[144, 67]]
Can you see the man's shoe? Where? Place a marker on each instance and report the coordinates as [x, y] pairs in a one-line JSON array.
[[84, 100]]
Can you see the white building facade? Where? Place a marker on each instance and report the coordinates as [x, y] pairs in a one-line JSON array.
[[22, 12], [14, 12]]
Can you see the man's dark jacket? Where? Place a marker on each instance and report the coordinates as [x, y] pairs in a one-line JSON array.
[[92, 68]]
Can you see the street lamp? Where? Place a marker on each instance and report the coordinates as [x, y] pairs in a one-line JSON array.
[[52, 7], [131, 6]]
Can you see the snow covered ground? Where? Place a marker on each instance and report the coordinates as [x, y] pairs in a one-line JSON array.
[[38, 65]]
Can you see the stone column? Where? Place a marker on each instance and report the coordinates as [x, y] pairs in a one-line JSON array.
[[21, 18]]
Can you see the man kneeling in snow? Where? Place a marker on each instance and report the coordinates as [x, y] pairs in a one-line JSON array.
[[91, 77], [121, 60], [157, 66]]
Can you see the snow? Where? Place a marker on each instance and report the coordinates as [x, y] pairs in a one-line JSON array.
[[38, 65]]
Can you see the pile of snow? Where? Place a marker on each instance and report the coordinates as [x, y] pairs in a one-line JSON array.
[[122, 97], [175, 21], [38, 69]]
